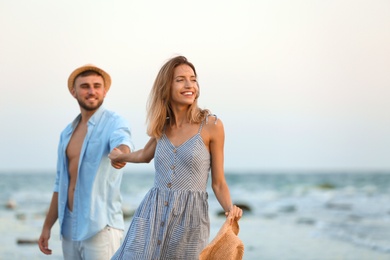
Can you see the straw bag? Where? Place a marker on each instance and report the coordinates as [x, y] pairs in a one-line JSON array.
[[226, 245]]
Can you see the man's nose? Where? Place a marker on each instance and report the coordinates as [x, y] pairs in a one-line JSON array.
[[91, 90]]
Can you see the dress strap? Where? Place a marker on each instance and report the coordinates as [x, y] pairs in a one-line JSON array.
[[200, 127], [214, 115], [207, 120]]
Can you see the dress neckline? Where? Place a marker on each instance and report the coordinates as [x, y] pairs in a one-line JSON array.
[[183, 143]]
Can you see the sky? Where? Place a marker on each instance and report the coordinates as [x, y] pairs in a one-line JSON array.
[[298, 85]]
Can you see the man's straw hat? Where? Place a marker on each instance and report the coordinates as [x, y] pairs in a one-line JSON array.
[[78, 71], [226, 245]]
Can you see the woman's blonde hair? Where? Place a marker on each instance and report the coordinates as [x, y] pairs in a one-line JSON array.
[[159, 112]]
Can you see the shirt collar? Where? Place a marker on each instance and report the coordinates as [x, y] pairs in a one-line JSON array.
[[93, 120]]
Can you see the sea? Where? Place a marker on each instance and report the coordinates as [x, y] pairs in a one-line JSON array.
[[350, 207]]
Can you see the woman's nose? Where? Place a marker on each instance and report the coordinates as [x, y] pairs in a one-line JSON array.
[[188, 84]]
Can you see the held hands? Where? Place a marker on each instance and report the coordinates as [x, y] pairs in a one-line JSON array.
[[234, 213], [115, 158]]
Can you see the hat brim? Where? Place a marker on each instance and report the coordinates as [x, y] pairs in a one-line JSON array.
[[226, 244], [78, 71]]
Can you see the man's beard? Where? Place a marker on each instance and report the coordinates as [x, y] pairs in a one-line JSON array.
[[89, 107]]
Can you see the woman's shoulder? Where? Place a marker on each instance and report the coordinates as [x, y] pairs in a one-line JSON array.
[[213, 123], [212, 119]]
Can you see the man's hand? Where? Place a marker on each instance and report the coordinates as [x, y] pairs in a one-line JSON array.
[[115, 154], [118, 165], [43, 242]]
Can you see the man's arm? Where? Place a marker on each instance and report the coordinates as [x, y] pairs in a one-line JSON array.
[[51, 218]]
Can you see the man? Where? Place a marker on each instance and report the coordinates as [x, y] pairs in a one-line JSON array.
[[86, 197]]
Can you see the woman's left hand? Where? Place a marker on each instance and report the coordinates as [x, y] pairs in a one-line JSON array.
[[235, 213]]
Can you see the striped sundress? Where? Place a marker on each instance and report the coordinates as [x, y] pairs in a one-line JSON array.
[[172, 221]]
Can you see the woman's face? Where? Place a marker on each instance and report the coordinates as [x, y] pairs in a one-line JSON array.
[[184, 87]]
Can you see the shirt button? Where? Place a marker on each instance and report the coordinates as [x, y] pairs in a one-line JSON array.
[[174, 150], [162, 223], [169, 185], [159, 242], [173, 167], [165, 203]]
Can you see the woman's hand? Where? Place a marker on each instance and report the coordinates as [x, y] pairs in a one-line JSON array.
[[115, 158], [235, 213], [114, 155]]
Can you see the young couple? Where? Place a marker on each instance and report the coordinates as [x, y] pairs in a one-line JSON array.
[[186, 143]]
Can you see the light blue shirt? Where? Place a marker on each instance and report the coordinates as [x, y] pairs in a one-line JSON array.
[[97, 199]]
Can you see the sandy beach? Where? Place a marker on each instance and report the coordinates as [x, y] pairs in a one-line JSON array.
[[266, 239]]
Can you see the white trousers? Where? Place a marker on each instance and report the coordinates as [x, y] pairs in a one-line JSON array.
[[101, 246]]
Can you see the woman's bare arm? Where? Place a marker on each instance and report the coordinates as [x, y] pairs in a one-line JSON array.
[[144, 155]]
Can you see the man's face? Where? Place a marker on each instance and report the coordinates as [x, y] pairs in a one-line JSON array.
[[89, 92]]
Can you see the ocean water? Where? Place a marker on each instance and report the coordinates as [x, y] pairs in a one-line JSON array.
[[349, 207]]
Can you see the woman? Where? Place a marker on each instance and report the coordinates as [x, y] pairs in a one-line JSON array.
[[186, 142]]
